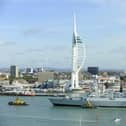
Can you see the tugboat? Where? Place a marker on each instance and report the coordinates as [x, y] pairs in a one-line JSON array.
[[18, 102]]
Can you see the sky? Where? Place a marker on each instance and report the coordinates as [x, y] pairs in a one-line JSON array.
[[35, 33]]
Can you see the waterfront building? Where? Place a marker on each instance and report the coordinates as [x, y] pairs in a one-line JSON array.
[[93, 70], [40, 69], [29, 70], [44, 76], [14, 72]]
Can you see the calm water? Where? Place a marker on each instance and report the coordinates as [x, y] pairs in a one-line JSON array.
[[41, 113]]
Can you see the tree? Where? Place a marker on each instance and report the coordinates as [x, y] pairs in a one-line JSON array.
[[29, 78], [11, 79]]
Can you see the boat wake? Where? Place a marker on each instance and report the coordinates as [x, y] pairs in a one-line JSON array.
[[47, 118]]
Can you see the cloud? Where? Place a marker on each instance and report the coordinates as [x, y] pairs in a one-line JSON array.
[[84, 1], [40, 30], [30, 51], [20, 53], [121, 3], [22, 1], [91, 2], [122, 20], [7, 43], [57, 55], [35, 50], [97, 1], [50, 49], [119, 50], [32, 31]]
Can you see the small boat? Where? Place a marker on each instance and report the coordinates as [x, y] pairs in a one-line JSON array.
[[18, 102]]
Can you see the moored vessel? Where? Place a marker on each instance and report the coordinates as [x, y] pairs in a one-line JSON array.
[[111, 100], [18, 102], [68, 101]]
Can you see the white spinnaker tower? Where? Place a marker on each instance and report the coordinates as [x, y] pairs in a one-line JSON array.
[[78, 57]]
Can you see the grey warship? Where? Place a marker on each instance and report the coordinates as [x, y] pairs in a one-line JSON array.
[[68, 101], [108, 98], [113, 99]]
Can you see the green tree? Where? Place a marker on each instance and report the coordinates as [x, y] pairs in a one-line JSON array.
[[29, 78], [11, 79]]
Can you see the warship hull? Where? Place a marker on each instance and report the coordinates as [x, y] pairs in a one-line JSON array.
[[58, 101], [106, 102]]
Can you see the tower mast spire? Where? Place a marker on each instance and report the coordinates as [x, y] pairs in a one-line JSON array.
[[75, 25], [77, 59], [74, 81]]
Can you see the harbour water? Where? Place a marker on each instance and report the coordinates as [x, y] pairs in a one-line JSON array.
[[40, 112]]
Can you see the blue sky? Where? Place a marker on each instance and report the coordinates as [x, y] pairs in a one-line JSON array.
[[39, 32]]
